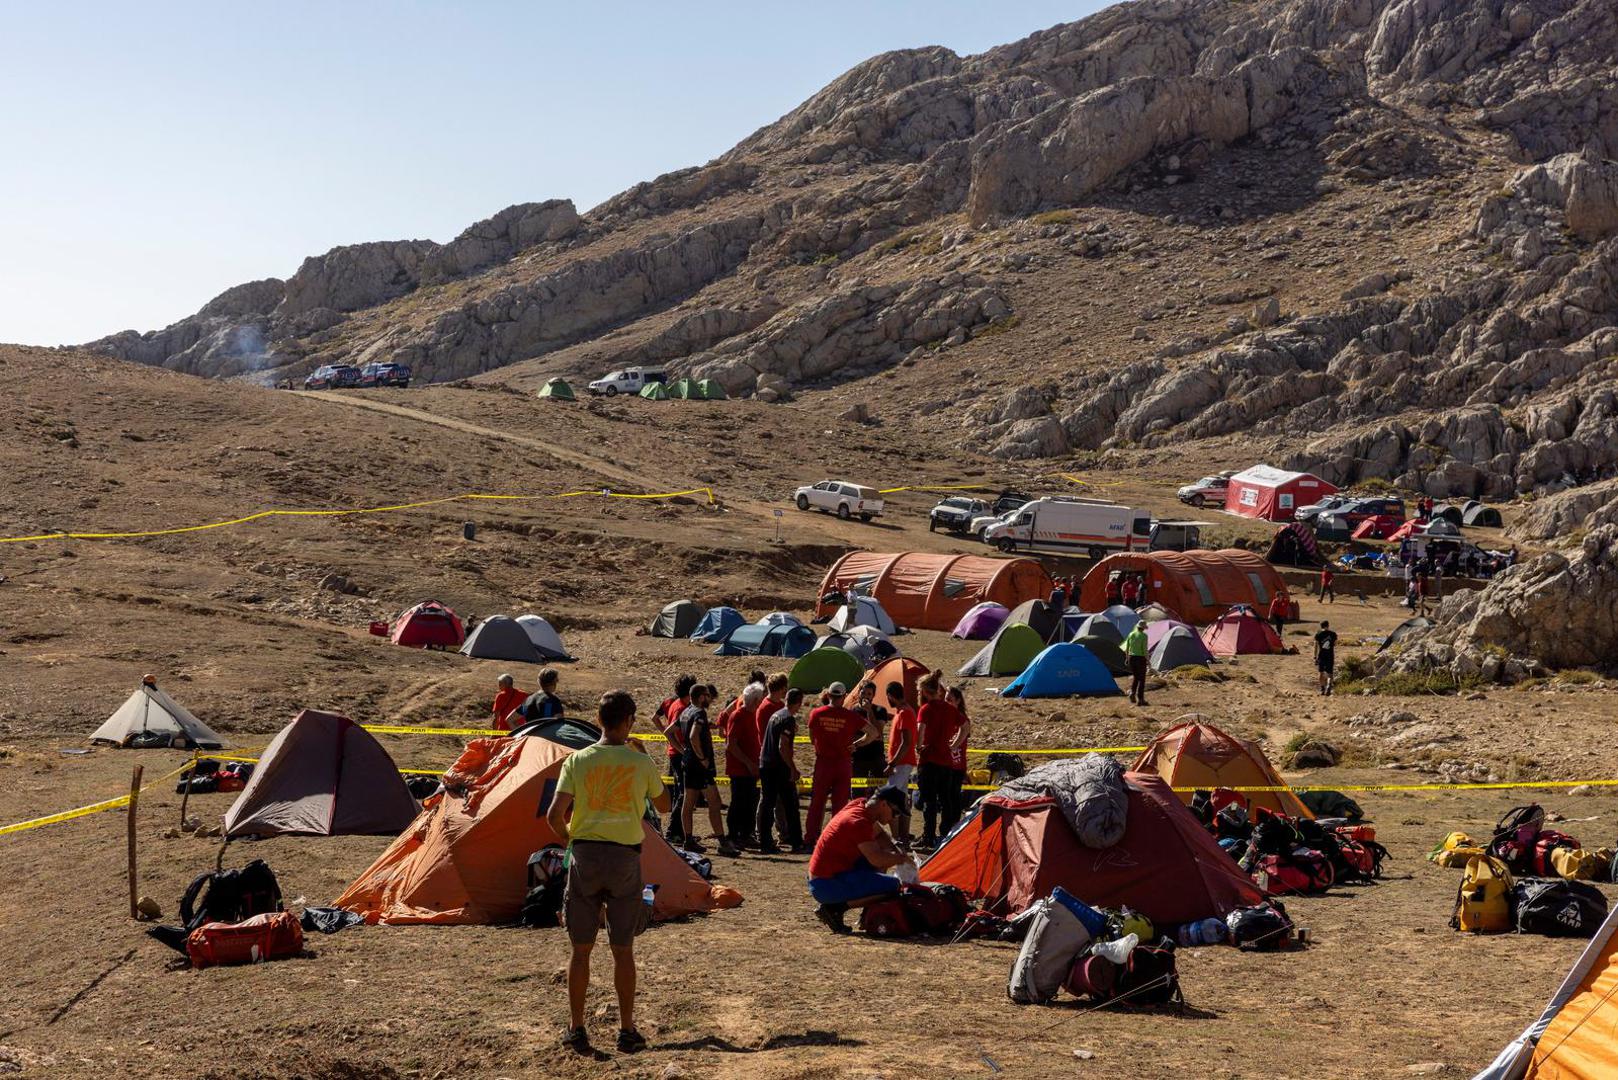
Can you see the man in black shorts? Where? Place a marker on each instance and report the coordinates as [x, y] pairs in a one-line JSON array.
[[1325, 655], [698, 772]]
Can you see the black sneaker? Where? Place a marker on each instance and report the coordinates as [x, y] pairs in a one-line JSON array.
[[692, 844], [832, 916], [768, 849], [576, 1039], [631, 1041], [729, 850]]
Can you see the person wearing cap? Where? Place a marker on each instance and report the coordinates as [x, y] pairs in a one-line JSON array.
[[846, 869], [507, 698], [834, 733]]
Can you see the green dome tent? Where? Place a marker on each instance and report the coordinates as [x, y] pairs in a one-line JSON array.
[[684, 389], [819, 668], [654, 392], [711, 391], [557, 389], [1007, 653]]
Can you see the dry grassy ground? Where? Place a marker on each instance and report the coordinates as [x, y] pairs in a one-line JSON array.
[[236, 623]]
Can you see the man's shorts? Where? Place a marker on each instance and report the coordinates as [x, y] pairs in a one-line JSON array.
[[604, 876], [1326, 663], [856, 883], [697, 777]]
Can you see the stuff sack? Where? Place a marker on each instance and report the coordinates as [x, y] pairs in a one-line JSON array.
[[1483, 901], [1100, 802], [1558, 908], [1514, 836], [230, 896], [1303, 871], [1149, 977], [1055, 936], [271, 936]]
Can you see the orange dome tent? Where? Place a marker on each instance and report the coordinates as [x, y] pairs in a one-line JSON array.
[[465, 858], [932, 592], [1198, 755], [902, 670], [1200, 585]]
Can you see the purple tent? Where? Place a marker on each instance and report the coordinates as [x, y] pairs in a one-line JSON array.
[[1157, 631], [981, 622]]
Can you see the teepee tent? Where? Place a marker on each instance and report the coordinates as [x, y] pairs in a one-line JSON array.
[[148, 715], [1194, 754], [543, 636], [678, 619], [819, 668], [323, 775], [863, 611], [465, 858], [1066, 669], [557, 389], [1576, 1037], [1011, 649], [1015, 849]]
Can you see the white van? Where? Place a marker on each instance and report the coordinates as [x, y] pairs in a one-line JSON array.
[[1089, 526], [628, 381]]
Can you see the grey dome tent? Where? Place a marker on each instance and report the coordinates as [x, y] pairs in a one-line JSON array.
[[1449, 512], [1333, 527], [679, 619], [1099, 625], [775, 639], [501, 638], [544, 637], [150, 718], [1109, 652], [1478, 516], [1442, 527], [862, 611], [1039, 616], [1180, 647], [323, 775]]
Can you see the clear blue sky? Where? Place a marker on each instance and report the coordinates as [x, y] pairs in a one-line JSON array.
[[158, 153]]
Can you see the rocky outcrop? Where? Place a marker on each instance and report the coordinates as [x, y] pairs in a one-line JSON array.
[[496, 239], [229, 336], [357, 276], [1559, 515], [855, 331], [1559, 611]]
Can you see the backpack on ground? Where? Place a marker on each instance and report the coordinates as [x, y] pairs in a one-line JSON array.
[[270, 936], [1359, 860], [1055, 937], [1147, 977], [1264, 928], [1558, 908], [936, 909], [1546, 844], [1455, 850], [547, 886], [1483, 901], [230, 896], [1302, 871], [1514, 836], [887, 918]]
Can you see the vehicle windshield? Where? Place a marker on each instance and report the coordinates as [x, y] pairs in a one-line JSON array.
[[958, 504]]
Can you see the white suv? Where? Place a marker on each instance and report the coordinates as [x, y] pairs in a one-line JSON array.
[[846, 499]]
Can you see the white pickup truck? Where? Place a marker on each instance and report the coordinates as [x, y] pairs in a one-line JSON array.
[[844, 499], [628, 381]]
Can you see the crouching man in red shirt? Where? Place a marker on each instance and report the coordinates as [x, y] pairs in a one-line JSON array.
[[845, 870]]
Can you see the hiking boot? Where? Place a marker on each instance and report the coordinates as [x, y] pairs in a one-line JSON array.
[[692, 844], [576, 1039], [768, 849], [729, 850], [803, 849], [630, 1041], [832, 916]]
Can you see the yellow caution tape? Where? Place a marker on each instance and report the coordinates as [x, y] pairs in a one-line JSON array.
[[85, 811], [605, 493], [405, 729]]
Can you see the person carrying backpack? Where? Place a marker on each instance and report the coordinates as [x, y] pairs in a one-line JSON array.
[[543, 704], [778, 777]]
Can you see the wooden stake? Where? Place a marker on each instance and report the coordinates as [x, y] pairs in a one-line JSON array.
[[134, 798], [185, 796]]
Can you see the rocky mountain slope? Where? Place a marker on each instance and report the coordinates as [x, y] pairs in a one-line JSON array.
[[1376, 238]]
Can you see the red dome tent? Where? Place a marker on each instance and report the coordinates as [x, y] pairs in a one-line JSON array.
[[1378, 527], [1200, 585], [428, 625], [1166, 866], [1241, 632], [1273, 494], [932, 592]]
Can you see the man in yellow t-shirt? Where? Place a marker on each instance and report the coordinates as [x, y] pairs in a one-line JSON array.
[[601, 796]]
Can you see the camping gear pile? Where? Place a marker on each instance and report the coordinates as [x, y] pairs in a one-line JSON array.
[[233, 917], [1527, 879]]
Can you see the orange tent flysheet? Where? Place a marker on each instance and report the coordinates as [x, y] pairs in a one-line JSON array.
[[1200, 585], [1581, 1041], [465, 858], [932, 592], [1198, 755], [902, 670]]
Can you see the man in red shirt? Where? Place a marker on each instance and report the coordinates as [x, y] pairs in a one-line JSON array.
[[1327, 593], [835, 732], [1280, 608], [845, 870], [506, 700], [903, 735], [668, 721], [737, 725]]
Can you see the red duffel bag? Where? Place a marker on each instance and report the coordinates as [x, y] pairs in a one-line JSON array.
[[272, 936]]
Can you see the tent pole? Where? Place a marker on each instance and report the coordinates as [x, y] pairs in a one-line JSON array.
[[134, 797]]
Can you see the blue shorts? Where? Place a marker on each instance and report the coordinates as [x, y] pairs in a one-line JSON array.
[[856, 883]]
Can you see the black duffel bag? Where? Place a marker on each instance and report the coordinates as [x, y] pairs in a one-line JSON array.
[[1558, 908]]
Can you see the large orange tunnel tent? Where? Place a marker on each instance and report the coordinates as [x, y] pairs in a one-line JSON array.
[[1199, 585], [932, 592], [1194, 754], [464, 860]]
